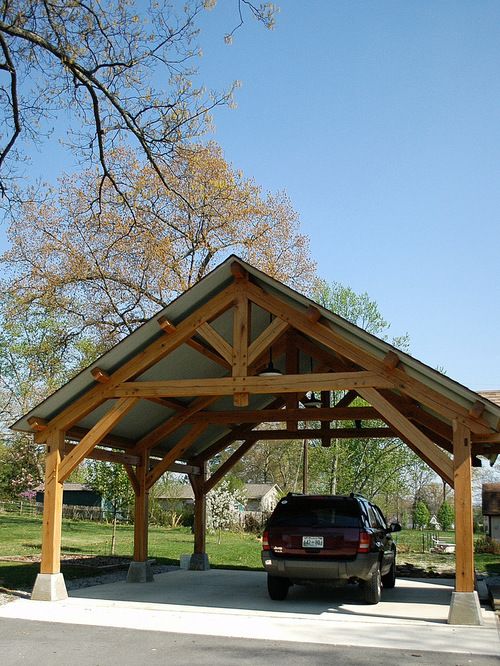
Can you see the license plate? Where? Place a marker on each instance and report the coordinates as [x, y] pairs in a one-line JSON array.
[[312, 542]]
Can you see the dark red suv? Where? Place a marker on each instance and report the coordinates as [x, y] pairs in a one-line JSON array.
[[329, 539]]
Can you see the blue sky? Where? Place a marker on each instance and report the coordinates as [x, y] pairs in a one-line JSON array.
[[381, 120]]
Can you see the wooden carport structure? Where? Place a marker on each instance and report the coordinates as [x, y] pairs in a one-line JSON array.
[[188, 384]]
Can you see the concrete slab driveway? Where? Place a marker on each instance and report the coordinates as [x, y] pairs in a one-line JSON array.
[[235, 604]]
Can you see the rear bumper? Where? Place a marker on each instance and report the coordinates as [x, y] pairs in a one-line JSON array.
[[360, 568]]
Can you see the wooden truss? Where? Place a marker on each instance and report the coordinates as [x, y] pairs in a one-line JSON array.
[[443, 432]]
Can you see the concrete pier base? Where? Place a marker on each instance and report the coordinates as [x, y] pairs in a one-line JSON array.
[[49, 587], [465, 609], [140, 572], [199, 562]]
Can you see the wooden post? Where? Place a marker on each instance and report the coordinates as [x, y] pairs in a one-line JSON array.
[[305, 467], [140, 569], [462, 472], [52, 506], [141, 512], [199, 559], [49, 584], [464, 607]]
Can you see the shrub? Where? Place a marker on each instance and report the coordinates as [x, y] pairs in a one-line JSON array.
[[485, 544]]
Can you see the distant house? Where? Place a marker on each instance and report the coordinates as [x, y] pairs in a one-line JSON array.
[[259, 497], [74, 494], [491, 509]]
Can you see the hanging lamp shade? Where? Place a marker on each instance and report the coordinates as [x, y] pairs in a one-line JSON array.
[[270, 371]]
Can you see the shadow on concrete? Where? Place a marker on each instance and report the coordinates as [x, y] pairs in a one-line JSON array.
[[426, 599]]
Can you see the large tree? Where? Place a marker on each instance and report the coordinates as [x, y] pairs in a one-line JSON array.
[[106, 276], [119, 73]]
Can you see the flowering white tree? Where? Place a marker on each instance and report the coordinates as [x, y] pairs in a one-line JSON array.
[[223, 505]]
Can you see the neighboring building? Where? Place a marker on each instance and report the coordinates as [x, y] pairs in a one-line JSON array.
[[261, 497], [434, 523], [491, 509], [75, 494]]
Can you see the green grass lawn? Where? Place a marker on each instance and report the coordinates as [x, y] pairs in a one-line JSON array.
[[21, 536]]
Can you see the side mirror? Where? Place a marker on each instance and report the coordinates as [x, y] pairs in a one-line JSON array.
[[395, 527]]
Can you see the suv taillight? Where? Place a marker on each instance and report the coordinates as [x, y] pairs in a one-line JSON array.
[[365, 542], [265, 541]]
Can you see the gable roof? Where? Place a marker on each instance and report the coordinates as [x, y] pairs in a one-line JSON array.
[[185, 363]]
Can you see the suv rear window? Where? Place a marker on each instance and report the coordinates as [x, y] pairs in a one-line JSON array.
[[315, 512]]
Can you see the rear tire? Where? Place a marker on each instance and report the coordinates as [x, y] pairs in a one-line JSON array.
[[373, 588], [389, 580], [277, 587]]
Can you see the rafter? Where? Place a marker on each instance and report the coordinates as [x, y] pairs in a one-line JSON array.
[[95, 436], [221, 471], [171, 425], [176, 452]]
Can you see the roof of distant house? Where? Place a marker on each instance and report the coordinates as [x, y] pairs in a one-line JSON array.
[[69, 486]]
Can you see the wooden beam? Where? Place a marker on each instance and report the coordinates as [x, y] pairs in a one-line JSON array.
[[464, 541], [221, 471], [493, 438], [171, 425], [99, 375], [106, 456], [166, 325], [208, 353], [316, 433], [331, 337], [143, 360], [52, 505], [477, 409], [266, 339], [134, 481], [176, 452], [191, 470], [170, 403], [113, 441], [241, 334], [291, 368], [282, 415], [254, 385], [313, 314], [238, 272], [391, 360], [215, 339], [347, 399], [398, 421], [327, 356], [95, 436], [37, 423]]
